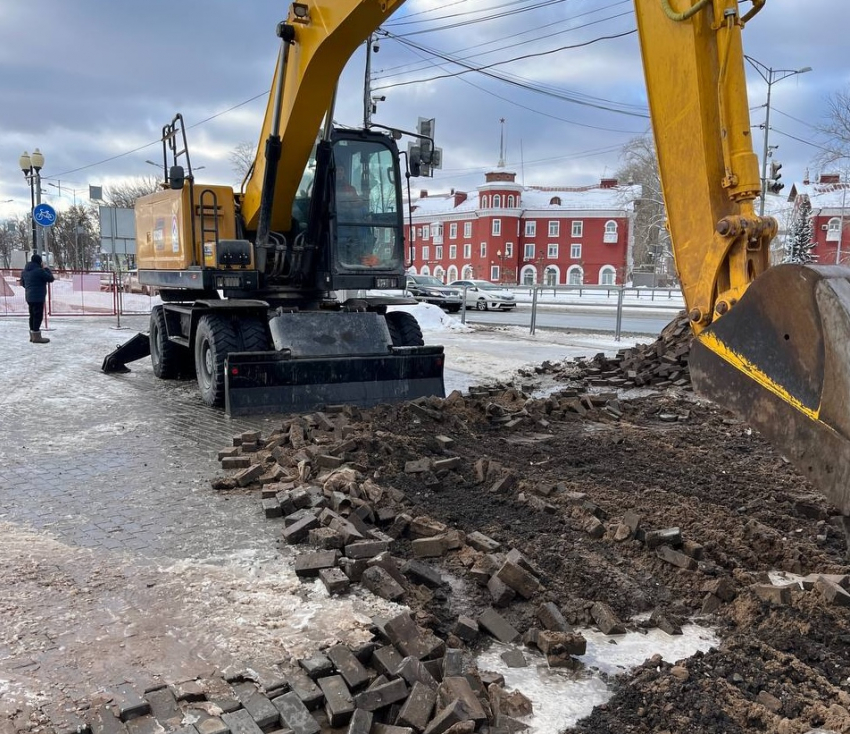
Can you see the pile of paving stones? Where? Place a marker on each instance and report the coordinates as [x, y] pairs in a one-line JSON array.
[[660, 364]]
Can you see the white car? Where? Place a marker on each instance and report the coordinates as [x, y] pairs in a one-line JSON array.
[[484, 295]]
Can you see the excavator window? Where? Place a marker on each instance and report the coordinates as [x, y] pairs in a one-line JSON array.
[[367, 206]]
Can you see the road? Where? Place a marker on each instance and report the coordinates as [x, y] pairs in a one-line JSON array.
[[599, 319]]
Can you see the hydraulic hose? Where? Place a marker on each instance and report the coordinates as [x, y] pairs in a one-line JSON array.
[[685, 14]]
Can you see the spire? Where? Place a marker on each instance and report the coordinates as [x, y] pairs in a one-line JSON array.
[[501, 163]]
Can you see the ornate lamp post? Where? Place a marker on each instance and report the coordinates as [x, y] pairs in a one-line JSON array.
[[31, 165]]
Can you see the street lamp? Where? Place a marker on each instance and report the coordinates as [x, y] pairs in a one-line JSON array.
[[31, 165], [499, 255], [771, 76]]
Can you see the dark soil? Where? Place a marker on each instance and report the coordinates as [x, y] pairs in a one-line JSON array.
[[675, 462]]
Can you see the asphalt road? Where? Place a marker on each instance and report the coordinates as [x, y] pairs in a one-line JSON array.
[[601, 319]]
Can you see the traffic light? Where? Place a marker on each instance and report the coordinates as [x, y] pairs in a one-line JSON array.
[[773, 185]]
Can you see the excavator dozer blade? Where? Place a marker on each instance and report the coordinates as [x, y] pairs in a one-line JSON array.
[[780, 360], [276, 382], [137, 347]]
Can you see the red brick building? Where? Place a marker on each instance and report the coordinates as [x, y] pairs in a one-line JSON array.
[[508, 233], [828, 197]]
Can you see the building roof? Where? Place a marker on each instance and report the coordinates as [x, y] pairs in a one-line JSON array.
[[823, 195]]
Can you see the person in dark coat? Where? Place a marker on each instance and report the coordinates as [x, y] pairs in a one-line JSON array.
[[35, 278]]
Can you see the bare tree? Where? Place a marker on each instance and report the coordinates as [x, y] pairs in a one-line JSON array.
[[74, 238], [124, 195], [835, 131], [640, 166], [242, 158]]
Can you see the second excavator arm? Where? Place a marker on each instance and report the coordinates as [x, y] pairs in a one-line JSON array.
[[772, 344]]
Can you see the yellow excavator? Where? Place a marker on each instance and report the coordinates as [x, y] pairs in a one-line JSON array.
[[772, 344]]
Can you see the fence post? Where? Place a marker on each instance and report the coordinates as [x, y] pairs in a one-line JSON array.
[[533, 310], [619, 324], [463, 307]]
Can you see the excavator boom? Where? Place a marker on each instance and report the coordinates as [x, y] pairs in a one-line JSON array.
[[772, 344]]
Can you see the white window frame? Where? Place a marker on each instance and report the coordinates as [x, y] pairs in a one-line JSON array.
[[528, 251], [496, 228], [571, 275], [437, 233], [575, 251], [552, 251], [494, 273], [511, 202], [833, 229], [578, 228], [482, 251], [438, 252], [426, 234], [554, 228], [497, 201], [467, 251], [531, 228], [509, 249], [452, 252], [453, 231], [426, 252]]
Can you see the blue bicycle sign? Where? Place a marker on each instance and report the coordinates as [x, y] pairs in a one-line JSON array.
[[45, 215]]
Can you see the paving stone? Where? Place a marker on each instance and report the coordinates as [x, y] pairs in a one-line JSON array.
[[409, 640], [295, 715], [334, 580], [498, 626], [446, 718], [423, 573], [106, 722], [711, 603], [349, 667], [146, 724], [386, 561], [723, 588], [414, 671], [207, 724], [445, 442], [235, 462], [668, 536], [271, 508], [457, 688], [666, 553], [325, 538], [426, 527], [606, 620], [417, 466], [308, 565], [260, 708], [380, 583], [339, 705], [551, 618], [164, 707], [514, 658], [435, 667], [843, 580], [361, 722], [451, 462], [377, 697], [482, 542], [431, 547], [501, 594], [365, 548], [129, 703], [241, 722], [298, 531], [386, 660], [664, 622], [188, 729], [353, 568], [379, 728], [306, 690], [518, 578], [250, 474], [570, 643], [594, 527], [317, 666], [416, 711], [693, 549], [832, 593], [466, 628]]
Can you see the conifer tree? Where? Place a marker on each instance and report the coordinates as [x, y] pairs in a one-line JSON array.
[[800, 240]]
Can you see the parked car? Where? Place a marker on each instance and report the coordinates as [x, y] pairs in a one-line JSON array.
[[484, 295], [431, 289], [132, 284]]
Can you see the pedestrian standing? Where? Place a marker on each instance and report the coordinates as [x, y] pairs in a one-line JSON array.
[[35, 277]]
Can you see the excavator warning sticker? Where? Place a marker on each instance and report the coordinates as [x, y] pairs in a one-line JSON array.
[[159, 235], [175, 234]]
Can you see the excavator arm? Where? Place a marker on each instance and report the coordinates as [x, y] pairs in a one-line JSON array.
[[317, 40], [772, 344]]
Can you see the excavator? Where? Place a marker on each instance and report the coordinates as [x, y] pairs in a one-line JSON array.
[[771, 343]]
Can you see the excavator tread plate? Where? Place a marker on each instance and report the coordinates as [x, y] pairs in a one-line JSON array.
[[274, 382]]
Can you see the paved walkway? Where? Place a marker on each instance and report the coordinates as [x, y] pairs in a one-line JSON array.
[[117, 462]]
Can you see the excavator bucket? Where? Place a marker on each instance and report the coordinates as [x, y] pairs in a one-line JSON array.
[[780, 359]]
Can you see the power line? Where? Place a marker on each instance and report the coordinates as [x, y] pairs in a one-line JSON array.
[[514, 10]]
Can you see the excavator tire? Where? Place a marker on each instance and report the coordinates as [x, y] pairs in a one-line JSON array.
[[404, 329], [168, 359], [216, 337]]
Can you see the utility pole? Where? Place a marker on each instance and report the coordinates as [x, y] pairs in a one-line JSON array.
[[367, 85]]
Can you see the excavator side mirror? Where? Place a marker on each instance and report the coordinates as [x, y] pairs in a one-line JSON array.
[[176, 177], [415, 168]]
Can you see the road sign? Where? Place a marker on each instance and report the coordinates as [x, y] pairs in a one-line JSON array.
[[45, 215]]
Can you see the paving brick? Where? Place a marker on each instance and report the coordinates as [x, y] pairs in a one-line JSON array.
[[458, 688], [129, 703], [451, 462], [497, 626], [426, 527], [353, 568], [334, 580], [298, 531], [325, 538], [250, 474], [386, 660], [306, 690], [500, 592], [308, 565], [549, 641], [423, 573], [260, 708], [431, 547], [832, 593], [452, 664], [519, 579], [164, 707], [680, 560], [606, 620], [412, 670], [466, 628], [665, 623], [417, 709], [235, 462], [146, 724], [514, 658], [551, 618], [445, 442], [295, 715], [349, 667], [106, 722], [317, 666], [409, 640], [365, 548], [361, 722], [339, 705], [378, 697], [241, 722], [668, 536], [482, 542], [380, 583], [271, 508], [446, 718], [379, 728]]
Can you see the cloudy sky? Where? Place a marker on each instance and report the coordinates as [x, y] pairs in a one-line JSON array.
[[92, 82]]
